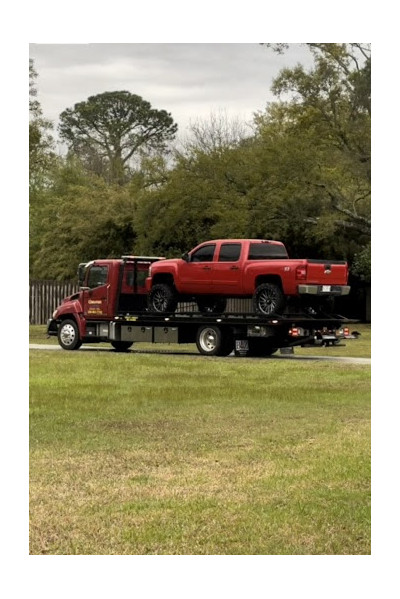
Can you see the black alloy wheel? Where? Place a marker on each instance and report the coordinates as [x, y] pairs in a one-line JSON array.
[[268, 299], [162, 298]]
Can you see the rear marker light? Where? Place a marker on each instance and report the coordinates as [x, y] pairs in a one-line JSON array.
[[296, 332]]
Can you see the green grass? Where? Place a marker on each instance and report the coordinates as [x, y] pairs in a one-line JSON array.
[[175, 454]]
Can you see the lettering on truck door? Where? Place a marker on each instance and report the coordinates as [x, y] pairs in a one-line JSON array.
[[96, 299]]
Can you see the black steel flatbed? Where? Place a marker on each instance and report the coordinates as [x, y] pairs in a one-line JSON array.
[[290, 319], [216, 334]]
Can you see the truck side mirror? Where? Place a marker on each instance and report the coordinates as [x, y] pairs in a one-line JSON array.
[[81, 273], [186, 257]]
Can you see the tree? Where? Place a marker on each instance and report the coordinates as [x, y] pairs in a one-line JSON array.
[[215, 134], [82, 218], [110, 129], [41, 153], [333, 100], [317, 137], [204, 195], [42, 160]]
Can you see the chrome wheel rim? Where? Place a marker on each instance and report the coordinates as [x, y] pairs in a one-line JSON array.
[[67, 334], [208, 340]]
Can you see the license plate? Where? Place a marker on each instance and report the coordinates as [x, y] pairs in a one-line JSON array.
[[326, 288]]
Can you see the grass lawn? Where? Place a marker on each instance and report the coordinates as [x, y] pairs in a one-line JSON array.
[[178, 454]]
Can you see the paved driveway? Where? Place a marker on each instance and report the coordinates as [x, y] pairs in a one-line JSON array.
[[93, 348]]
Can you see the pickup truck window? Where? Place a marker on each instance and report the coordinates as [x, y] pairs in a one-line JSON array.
[[203, 254], [229, 252], [266, 251], [98, 275]]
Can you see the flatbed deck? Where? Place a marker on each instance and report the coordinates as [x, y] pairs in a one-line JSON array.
[[236, 318]]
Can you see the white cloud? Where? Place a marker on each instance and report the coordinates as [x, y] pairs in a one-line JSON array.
[[188, 80]]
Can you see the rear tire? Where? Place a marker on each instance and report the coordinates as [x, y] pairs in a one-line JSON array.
[[261, 347], [211, 341], [268, 299], [121, 346], [162, 298], [68, 335]]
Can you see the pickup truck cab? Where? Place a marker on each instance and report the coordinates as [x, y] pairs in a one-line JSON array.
[[257, 268]]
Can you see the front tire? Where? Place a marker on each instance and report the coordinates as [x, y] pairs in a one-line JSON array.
[[162, 298], [68, 335], [268, 299]]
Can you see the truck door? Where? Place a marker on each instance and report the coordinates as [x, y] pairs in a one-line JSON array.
[[96, 300], [227, 274], [196, 275]]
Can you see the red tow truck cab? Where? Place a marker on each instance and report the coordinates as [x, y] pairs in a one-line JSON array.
[[108, 288]]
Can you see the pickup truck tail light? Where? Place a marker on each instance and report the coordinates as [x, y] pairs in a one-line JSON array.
[[301, 273]]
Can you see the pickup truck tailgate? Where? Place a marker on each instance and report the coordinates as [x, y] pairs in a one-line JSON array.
[[325, 272]]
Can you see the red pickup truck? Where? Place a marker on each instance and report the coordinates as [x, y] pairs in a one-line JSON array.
[[257, 268]]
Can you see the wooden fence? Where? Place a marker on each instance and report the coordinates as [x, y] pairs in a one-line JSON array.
[[45, 296]]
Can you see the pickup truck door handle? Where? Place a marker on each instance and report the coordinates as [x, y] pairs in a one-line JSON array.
[[206, 267], [234, 268]]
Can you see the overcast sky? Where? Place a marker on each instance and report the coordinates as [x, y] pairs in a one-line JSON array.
[[190, 81]]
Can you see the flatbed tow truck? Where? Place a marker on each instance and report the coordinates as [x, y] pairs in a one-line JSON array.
[[111, 306]]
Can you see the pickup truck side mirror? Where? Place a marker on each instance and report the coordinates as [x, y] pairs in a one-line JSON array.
[[186, 257]]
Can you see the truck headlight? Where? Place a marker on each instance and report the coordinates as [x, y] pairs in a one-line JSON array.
[[55, 314]]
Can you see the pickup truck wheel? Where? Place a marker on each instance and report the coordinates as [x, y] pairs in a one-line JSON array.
[[268, 299], [162, 298], [211, 342], [68, 335], [121, 345], [213, 305]]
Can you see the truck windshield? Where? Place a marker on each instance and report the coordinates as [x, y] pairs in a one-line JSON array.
[[267, 251]]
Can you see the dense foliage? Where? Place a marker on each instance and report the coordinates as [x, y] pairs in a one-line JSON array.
[[302, 175]]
